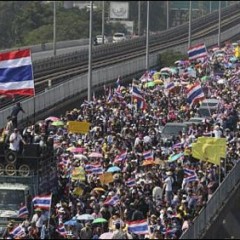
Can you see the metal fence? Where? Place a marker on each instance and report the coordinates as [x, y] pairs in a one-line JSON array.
[[78, 84], [220, 196]]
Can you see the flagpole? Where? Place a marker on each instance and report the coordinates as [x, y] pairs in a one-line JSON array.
[[49, 217]]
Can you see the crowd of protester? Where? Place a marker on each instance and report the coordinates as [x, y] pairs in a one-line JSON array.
[[141, 189]]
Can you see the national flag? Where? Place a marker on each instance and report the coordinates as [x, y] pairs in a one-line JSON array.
[[110, 97], [147, 76], [131, 182], [197, 51], [189, 179], [121, 157], [148, 155], [137, 93], [141, 104], [195, 94], [177, 145], [94, 169], [61, 230], [139, 227], [18, 232], [42, 202], [113, 201], [189, 172], [169, 86], [23, 212], [16, 73]]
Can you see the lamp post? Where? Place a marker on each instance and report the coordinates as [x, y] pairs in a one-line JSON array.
[[190, 23], [103, 19], [147, 38], [219, 23], [90, 55], [167, 14], [139, 18], [54, 28]]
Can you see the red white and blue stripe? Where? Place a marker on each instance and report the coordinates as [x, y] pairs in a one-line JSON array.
[[147, 76], [169, 86], [23, 212], [189, 172], [195, 94], [42, 202], [18, 232], [16, 73], [148, 155], [61, 230], [121, 157], [139, 227], [189, 179], [197, 51], [113, 201], [137, 93], [131, 182], [141, 104]]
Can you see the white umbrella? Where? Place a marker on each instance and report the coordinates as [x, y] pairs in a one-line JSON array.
[[85, 217]]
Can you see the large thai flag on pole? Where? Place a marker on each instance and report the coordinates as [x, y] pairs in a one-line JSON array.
[[137, 93], [197, 51], [16, 73], [195, 94], [42, 202], [139, 227]]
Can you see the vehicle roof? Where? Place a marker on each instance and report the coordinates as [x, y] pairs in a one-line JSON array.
[[211, 100], [13, 186], [175, 124], [119, 33]]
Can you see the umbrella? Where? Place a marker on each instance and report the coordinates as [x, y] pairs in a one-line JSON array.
[[107, 235], [71, 222], [85, 217], [58, 123], [148, 162], [99, 220], [205, 78], [150, 84], [114, 169], [77, 150], [80, 157], [53, 119], [158, 81], [175, 157], [95, 155], [166, 69], [99, 189]]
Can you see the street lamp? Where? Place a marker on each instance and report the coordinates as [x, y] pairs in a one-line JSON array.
[[54, 28], [190, 23], [219, 23], [103, 19], [147, 38], [90, 55]]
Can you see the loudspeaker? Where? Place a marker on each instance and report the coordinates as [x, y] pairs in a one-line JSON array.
[[31, 150]]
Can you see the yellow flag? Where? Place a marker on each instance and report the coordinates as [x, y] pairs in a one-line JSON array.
[[212, 140], [78, 173], [78, 191], [212, 153], [197, 151]]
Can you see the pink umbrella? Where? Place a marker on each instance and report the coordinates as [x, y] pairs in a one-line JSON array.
[[107, 235], [77, 150], [52, 119], [95, 155]]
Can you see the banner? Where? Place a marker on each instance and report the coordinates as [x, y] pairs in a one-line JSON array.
[[78, 173], [106, 178], [119, 10], [78, 127]]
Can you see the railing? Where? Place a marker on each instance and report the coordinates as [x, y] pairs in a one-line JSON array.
[[220, 196]]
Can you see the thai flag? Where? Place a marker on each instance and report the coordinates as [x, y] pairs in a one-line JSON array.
[[137, 93], [110, 97], [42, 202], [189, 172], [23, 212], [169, 86], [148, 155], [195, 94], [189, 179], [139, 227], [147, 76], [141, 104], [119, 95], [177, 146], [18, 232], [113, 201], [16, 73], [94, 169], [131, 182], [197, 51], [121, 157], [61, 230]]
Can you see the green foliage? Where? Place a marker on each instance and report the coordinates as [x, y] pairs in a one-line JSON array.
[[168, 58]]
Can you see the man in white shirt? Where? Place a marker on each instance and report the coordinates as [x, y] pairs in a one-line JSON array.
[[15, 139], [168, 187]]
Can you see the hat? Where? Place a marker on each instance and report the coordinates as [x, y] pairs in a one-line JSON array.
[[38, 210], [169, 173], [169, 209]]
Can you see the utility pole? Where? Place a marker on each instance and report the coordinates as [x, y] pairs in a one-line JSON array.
[[167, 14], [139, 18], [190, 25], [103, 20], [54, 29], [219, 23], [147, 38], [90, 55]]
